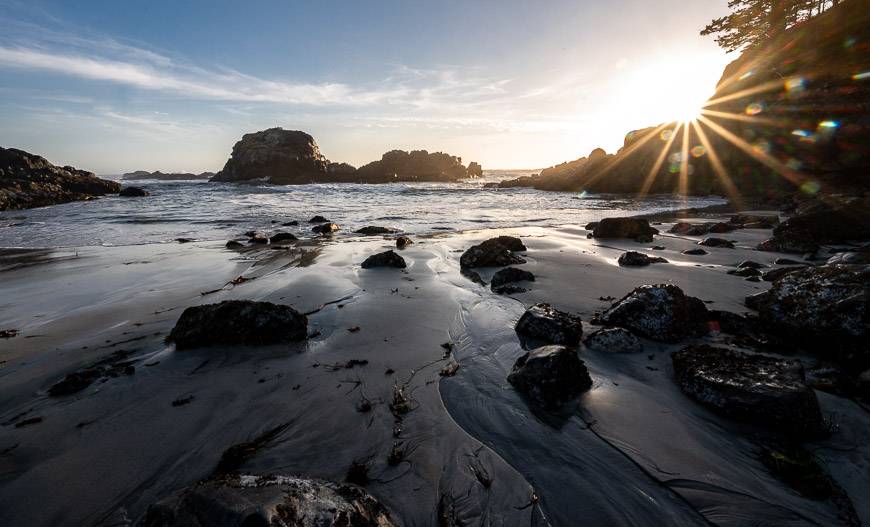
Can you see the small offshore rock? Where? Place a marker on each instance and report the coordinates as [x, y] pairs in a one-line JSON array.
[[282, 237], [318, 219], [546, 323], [550, 375], [291, 223], [495, 252], [613, 340], [634, 228], [749, 387], [238, 322], [384, 259], [326, 228], [695, 252], [403, 241], [509, 275], [373, 230], [658, 312], [636, 259], [133, 192], [276, 501], [716, 242]]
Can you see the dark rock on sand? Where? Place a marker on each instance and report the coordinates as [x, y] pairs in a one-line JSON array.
[[509, 275], [689, 229], [28, 180], [291, 223], [830, 220], [403, 241], [749, 387], [238, 322], [233, 244], [787, 261], [318, 219], [325, 228], [547, 324], [276, 501], [633, 228], [775, 274], [373, 230], [384, 259], [550, 375], [751, 264], [133, 192], [613, 340], [858, 257], [758, 221], [114, 365], [716, 242], [277, 156], [658, 312], [695, 252], [495, 252], [636, 259], [282, 237], [825, 304], [745, 272]]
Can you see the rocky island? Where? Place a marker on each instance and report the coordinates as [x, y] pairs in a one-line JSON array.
[[292, 157], [166, 176]]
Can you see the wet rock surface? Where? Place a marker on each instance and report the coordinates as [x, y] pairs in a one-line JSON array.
[[384, 259], [238, 322], [695, 252], [115, 365], [613, 340], [28, 180], [550, 375], [658, 312], [133, 192], [318, 219], [282, 237], [636, 259], [547, 324], [825, 304], [403, 241], [633, 228], [716, 242], [277, 501], [373, 230], [749, 387], [325, 228], [510, 275], [495, 252]]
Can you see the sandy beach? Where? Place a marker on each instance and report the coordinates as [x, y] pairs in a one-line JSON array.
[[632, 450]]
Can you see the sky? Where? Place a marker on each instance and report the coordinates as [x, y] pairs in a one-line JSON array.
[[115, 86]]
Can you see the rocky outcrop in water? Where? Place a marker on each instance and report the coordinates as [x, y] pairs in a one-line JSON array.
[[133, 192], [170, 176], [28, 180], [495, 252], [547, 324], [325, 228], [238, 322], [475, 170], [277, 156], [550, 375], [749, 387], [417, 165], [658, 312], [276, 501], [373, 230]]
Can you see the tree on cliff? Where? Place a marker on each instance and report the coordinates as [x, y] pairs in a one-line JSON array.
[[754, 22]]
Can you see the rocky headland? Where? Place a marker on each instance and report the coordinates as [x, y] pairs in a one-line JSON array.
[[28, 180]]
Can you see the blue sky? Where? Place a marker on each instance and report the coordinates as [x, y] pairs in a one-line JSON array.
[[114, 86]]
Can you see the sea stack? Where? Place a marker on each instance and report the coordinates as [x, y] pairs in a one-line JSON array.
[[277, 156]]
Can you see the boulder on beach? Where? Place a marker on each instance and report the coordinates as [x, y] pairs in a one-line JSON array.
[[282, 237], [372, 230], [749, 387], [510, 275], [822, 221], [384, 259], [325, 228], [133, 192], [238, 322], [755, 221], [636, 259], [658, 312], [695, 252], [234, 244], [277, 156], [637, 229], [826, 304], [276, 501], [547, 324], [716, 242], [613, 340], [28, 180], [689, 229], [550, 375], [495, 252], [318, 219], [403, 241]]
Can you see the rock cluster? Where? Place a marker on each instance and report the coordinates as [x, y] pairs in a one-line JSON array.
[[238, 322], [28, 180]]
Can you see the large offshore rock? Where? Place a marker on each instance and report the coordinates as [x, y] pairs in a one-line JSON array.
[[749, 387], [658, 312], [417, 165], [550, 375], [825, 305], [268, 501], [546, 323], [495, 252], [634, 228], [277, 156], [238, 322], [28, 180]]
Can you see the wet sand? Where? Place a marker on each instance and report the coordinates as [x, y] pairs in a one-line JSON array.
[[632, 451]]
